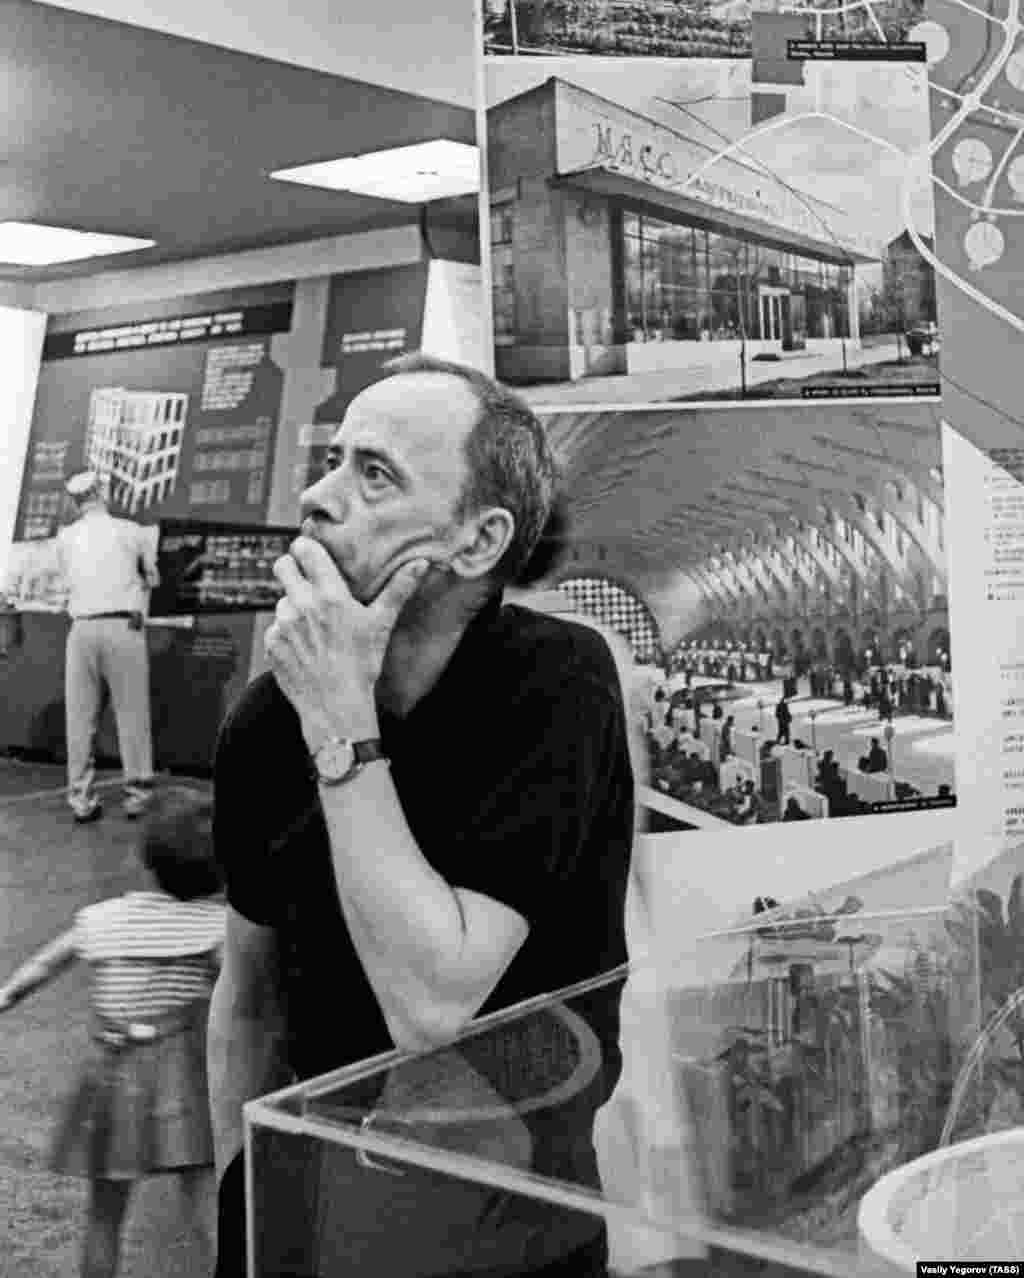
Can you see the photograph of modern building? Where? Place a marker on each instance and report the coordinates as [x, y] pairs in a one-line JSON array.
[[133, 442], [784, 585], [659, 245], [679, 28]]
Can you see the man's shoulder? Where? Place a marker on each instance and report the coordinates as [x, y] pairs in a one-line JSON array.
[[101, 523], [536, 643], [125, 526], [261, 711]]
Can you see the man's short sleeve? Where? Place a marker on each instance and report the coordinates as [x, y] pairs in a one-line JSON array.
[[563, 799]]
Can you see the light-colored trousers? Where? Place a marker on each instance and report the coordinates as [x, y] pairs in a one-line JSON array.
[[106, 650]]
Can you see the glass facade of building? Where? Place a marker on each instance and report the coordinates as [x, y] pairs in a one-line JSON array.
[[503, 274], [685, 283]]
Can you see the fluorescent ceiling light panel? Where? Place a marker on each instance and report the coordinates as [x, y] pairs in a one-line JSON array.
[[30, 244], [411, 174]]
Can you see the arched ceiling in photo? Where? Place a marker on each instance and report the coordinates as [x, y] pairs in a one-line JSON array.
[[666, 489]]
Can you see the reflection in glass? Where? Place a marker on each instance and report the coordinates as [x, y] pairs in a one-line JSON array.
[[689, 284], [768, 1080]]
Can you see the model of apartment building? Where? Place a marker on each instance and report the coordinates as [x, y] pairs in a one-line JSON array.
[[133, 442]]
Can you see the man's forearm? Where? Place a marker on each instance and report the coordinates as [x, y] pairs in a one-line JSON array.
[[405, 920], [245, 1058], [432, 951]]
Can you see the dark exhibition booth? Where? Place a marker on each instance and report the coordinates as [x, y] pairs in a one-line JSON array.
[[212, 394]]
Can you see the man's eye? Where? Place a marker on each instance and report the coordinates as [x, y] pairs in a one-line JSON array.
[[331, 461], [376, 473]]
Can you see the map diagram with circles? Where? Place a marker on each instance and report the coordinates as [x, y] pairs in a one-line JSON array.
[[976, 75], [973, 167]]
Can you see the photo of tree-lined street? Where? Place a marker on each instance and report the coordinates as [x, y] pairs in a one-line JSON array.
[[681, 28]]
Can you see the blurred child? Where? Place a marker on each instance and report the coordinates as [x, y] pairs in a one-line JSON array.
[[141, 1105]]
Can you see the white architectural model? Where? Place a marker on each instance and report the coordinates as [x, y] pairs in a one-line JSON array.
[[133, 442]]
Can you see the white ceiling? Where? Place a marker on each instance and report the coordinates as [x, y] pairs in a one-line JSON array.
[[125, 130], [424, 49]]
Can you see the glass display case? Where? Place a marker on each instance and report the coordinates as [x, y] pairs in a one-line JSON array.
[[751, 1097]]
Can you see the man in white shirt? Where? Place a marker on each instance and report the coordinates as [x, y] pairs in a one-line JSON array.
[[109, 565]]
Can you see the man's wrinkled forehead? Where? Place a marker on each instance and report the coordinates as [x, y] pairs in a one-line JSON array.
[[409, 413]]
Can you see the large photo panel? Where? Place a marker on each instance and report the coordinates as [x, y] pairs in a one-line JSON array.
[[696, 29], [666, 232], [781, 579], [976, 168]]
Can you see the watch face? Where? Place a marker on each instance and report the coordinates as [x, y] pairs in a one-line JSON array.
[[334, 760]]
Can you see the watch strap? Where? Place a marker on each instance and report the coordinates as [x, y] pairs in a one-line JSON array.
[[362, 753], [367, 751]]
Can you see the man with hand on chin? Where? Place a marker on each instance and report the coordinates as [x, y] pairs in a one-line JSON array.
[[387, 878]]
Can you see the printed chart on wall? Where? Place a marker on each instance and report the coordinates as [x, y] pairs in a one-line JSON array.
[[976, 157], [372, 317], [688, 231], [174, 405], [986, 511], [790, 572], [976, 76]]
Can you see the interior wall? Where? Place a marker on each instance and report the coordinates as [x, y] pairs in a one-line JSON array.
[[18, 296], [21, 338], [334, 255]]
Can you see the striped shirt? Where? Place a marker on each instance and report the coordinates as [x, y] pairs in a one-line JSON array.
[[150, 953]]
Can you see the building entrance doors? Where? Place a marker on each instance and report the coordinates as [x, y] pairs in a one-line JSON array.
[[776, 321]]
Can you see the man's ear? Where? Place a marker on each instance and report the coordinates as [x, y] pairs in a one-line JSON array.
[[487, 536]]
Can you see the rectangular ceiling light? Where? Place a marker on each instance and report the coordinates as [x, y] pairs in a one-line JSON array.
[[411, 174], [30, 244]]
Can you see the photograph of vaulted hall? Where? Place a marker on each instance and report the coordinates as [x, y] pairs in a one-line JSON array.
[[784, 576]]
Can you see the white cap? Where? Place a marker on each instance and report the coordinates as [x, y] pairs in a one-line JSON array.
[[83, 484]]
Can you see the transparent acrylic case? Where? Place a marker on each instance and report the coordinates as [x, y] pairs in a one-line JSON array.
[[777, 1082]]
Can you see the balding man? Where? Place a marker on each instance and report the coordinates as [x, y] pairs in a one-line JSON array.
[[425, 808], [109, 565]]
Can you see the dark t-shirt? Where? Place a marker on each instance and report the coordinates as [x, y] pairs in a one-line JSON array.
[[514, 776]]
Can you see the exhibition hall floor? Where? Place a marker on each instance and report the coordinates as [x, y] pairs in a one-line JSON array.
[[49, 868], [922, 746]]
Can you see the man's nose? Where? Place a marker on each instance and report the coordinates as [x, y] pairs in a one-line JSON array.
[[317, 502]]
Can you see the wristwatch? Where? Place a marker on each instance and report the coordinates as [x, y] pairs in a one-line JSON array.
[[339, 759]]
